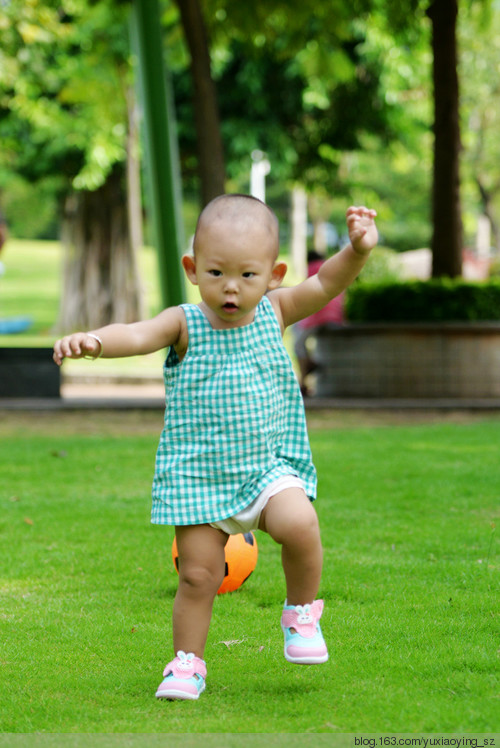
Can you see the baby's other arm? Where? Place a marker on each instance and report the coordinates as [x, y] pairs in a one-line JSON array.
[[336, 273], [168, 328]]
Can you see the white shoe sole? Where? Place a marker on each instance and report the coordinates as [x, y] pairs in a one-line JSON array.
[[172, 695], [306, 660]]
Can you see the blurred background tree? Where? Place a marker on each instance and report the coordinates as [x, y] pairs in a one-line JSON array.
[[67, 123], [480, 101], [340, 100]]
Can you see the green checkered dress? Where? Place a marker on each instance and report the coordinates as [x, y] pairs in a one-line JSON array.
[[234, 421]]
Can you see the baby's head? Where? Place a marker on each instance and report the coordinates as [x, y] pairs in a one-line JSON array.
[[247, 220], [235, 258]]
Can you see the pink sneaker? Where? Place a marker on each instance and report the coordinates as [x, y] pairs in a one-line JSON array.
[[304, 643], [184, 678]]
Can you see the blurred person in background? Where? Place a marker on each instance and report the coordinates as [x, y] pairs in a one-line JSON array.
[[331, 316]]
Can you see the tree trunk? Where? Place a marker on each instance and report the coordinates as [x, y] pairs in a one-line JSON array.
[[100, 283], [211, 165], [447, 239]]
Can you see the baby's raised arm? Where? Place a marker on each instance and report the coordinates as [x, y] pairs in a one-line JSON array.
[[119, 340], [336, 273]]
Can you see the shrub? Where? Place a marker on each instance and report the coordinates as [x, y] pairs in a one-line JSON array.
[[437, 300]]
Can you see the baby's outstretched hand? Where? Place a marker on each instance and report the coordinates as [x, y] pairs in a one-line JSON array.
[[363, 232], [78, 345]]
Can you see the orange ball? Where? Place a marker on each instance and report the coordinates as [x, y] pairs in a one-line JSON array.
[[241, 554]]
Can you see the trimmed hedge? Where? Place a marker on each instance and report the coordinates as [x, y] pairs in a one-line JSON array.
[[436, 300]]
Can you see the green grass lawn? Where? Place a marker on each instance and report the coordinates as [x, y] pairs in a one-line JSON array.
[[31, 287], [408, 517]]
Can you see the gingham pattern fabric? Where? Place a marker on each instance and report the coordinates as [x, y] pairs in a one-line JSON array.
[[234, 421]]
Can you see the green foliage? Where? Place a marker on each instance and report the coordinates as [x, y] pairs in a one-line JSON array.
[[32, 209], [63, 76], [480, 114], [437, 300], [398, 186], [495, 268], [321, 77], [382, 268], [340, 99]]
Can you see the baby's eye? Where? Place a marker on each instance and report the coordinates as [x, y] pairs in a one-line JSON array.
[[215, 273], [249, 275]]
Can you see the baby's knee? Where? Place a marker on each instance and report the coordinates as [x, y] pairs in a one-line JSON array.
[[200, 577], [290, 515], [301, 529], [306, 526]]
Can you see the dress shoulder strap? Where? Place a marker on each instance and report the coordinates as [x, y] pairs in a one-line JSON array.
[[266, 311], [195, 318]]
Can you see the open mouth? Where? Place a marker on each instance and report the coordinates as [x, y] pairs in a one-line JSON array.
[[230, 307]]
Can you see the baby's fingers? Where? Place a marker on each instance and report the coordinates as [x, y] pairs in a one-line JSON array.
[[360, 212], [71, 346]]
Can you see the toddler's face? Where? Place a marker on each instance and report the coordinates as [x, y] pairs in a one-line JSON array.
[[233, 270]]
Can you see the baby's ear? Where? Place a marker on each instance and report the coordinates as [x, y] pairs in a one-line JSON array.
[[278, 273], [189, 265]]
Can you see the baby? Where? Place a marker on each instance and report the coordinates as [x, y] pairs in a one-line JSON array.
[[234, 454]]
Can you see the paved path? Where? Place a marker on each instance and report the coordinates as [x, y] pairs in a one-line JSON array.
[[150, 395]]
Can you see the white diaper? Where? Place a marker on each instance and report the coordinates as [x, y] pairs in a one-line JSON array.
[[249, 517]]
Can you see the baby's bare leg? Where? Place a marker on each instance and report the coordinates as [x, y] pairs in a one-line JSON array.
[[201, 571], [291, 520]]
